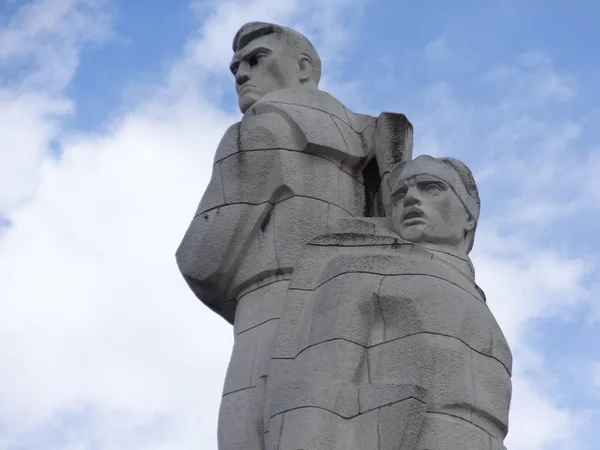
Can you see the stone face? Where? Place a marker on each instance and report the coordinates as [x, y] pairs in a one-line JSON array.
[[352, 330]]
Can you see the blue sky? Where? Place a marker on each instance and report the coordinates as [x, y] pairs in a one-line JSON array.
[[110, 113]]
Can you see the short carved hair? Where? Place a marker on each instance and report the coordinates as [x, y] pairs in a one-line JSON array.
[[300, 43]]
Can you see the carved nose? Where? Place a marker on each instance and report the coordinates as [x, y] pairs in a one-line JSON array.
[[241, 79], [411, 198], [242, 75]]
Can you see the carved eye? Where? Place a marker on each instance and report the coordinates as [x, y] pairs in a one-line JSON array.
[[254, 59], [432, 188], [399, 196]]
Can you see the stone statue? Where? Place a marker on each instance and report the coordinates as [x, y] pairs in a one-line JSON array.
[[385, 340], [296, 162]]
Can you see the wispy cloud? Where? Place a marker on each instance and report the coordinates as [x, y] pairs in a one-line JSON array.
[[39, 53], [105, 347], [531, 164], [97, 318], [534, 78]]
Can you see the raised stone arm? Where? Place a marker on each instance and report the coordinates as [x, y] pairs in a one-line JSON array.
[[392, 144]]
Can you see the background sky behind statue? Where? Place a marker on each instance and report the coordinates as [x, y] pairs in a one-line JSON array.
[[110, 113]]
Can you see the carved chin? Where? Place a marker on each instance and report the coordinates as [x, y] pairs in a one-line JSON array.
[[246, 100], [413, 232]]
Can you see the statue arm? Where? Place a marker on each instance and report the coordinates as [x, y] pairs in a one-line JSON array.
[[244, 186], [392, 143], [203, 250]]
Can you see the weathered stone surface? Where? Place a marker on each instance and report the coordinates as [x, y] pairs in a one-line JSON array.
[[260, 304], [241, 366], [399, 326], [270, 130], [313, 428], [237, 434], [352, 331], [441, 432], [302, 388], [281, 176], [393, 143]]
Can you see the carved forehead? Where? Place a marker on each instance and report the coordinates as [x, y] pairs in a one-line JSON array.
[[260, 45], [417, 178], [424, 166]]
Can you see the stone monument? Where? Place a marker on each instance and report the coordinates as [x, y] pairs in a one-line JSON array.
[[342, 265], [385, 340]]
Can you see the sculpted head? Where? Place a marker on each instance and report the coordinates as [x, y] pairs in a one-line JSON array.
[[270, 57], [435, 201]]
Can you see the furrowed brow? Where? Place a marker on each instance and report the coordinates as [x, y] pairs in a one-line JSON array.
[[426, 181], [235, 63], [256, 51]]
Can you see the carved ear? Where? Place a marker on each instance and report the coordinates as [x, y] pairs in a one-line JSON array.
[[469, 233], [470, 224], [306, 68]]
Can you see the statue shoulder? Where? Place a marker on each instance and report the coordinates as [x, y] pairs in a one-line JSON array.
[[314, 119], [230, 142], [270, 127]]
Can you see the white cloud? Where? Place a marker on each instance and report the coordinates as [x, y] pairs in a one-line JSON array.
[[536, 423], [104, 345], [39, 53], [525, 282], [531, 170], [535, 79]]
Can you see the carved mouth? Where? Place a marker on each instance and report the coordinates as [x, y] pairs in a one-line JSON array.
[[412, 213], [246, 88]]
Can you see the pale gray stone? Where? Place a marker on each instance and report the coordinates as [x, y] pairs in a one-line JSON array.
[[444, 432], [401, 322], [259, 305], [273, 435], [281, 176], [241, 434], [241, 365], [342, 265], [399, 425]]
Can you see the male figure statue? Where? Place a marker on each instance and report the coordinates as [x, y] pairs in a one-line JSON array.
[[296, 162], [385, 341]]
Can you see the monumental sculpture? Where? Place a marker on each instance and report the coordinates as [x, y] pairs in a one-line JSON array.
[[385, 340], [357, 322]]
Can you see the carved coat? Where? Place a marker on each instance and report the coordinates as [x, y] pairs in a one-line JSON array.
[[383, 345], [281, 176]]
